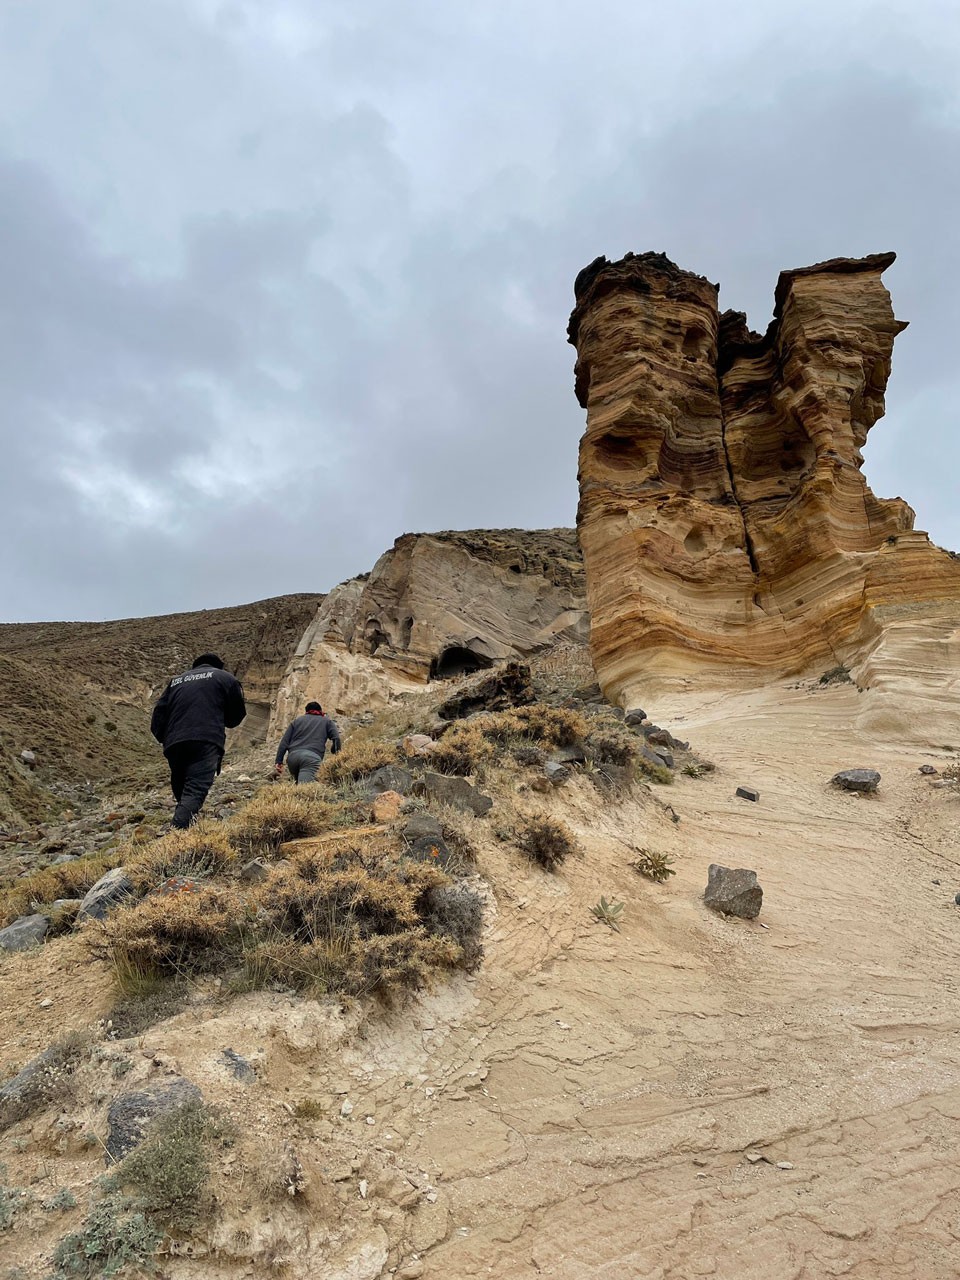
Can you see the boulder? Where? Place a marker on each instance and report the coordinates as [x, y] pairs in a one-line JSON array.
[[386, 806], [454, 791], [927, 769], [863, 780], [29, 759], [576, 753], [28, 931], [418, 744], [665, 757], [254, 872], [420, 826], [634, 718], [657, 737], [40, 1078], [107, 893], [391, 777], [555, 773], [733, 891], [130, 1114], [429, 849]]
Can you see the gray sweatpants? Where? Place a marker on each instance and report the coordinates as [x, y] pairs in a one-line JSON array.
[[303, 765]]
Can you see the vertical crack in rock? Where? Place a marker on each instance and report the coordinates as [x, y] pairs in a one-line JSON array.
[[718, 463]]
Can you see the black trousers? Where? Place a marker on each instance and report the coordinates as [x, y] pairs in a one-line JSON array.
[[193, 767]]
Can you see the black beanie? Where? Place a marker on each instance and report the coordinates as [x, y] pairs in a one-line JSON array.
[[314, 706], [208, 660]]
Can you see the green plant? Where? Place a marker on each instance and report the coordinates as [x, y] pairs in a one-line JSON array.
[[60, 1202], [547, 842], [608, 912], [49, 1078], [12, 1200], [170, 1168], [655, 772], [115, 1235], [653, 865], [692, 771], [309, 1109]]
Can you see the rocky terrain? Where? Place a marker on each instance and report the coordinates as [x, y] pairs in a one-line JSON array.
[[437, 605], [725, 520]]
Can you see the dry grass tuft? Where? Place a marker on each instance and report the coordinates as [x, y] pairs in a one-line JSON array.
[[462, 749], [546, 842], [358, 758], [69, 880], [277, 814], [199, 853]]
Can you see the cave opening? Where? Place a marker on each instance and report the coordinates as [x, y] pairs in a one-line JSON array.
[[455, 660]]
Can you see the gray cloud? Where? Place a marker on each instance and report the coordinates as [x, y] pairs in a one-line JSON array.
[[284, 281]]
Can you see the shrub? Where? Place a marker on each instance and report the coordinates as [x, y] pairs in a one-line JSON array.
[[47, 1079], [655, 866], [547, 842], [461, 750], [552, 726], [655, 772], [171, 935], [170, 1169], [202, 851], [144, 1005], [278, 814], [114, 1235], [358, 758], [612, 746], [456, 912], [61, 1201], [528, 756]]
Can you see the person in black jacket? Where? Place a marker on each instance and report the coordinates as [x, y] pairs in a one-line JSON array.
[[189, 721], [305, 743]]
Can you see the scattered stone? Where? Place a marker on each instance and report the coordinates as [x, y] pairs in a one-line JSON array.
[[928, 769], [346, 1108], [576, 753], [733, 891], [28, 931], [459, 793], [754, 1156], [107, 893], [665, 758], [784, 1164], [64, 857], [386, 807], [254, 872], [389, 778], [45, 1003], [418, 744], [540, 783], [863, 780], [509, 686], [179, 884], [748, 793], [555, 773], [131, 1113], [957, 899], [28, 758], [652, 757], [940, 783], [239, 1066], [658, 737], [634, 718], [422, 826]]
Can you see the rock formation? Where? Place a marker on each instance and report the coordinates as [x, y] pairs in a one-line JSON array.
[[437, 605], [724, 518]]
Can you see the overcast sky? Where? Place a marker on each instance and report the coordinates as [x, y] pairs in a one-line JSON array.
[[283, 279]]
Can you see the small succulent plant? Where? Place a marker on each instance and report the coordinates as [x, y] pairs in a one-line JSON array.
[[608, 913], [653, 865]]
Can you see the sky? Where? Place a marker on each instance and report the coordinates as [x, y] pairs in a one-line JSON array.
[[281, 280]]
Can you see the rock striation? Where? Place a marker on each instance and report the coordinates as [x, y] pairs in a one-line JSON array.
[[437, 605], [724, 517]]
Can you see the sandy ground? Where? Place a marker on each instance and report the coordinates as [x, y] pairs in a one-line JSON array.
[[598, 1105]]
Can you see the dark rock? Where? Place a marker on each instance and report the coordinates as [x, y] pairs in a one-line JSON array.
[[453, 791], [254, 872], [391, 777], [555, 773], [422, 826], [430, 849], [107, 893], [588, 693], [957, 899], [130, 1115], [239, 1067], [733, 891], [634, 718], [665, 757], [748, 793], [865, 780], [928, 769], [658, 737], [28, 931], [651, 757], [508, 686]]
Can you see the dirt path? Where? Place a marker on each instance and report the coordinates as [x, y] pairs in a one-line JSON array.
[[628, 1074]]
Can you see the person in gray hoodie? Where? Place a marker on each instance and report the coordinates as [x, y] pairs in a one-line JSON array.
[[305, 743]]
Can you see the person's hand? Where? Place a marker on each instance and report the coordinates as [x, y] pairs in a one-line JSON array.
[[278, 769]]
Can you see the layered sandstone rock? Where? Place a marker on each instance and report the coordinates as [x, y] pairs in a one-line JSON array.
[[724, 517], [437, 605]]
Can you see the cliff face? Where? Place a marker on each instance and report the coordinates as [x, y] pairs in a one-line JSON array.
[[436, 605], [724, 517]]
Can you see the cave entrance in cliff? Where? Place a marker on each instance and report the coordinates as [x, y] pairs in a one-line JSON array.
[[458, 661]]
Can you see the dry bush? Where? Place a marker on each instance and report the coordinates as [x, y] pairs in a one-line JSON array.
[[456, 912], [69, 880], [47, 1079], [461, 750], [547, 842], [538, 723], [612, 745], [199, 852], [277, 814], [655, 772], [170, 935], [358, 758], [154, 1001]]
